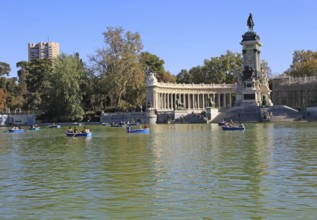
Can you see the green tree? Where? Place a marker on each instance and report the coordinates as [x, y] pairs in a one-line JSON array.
[[223, 69], [93, 98], [22, 82], [183, 77], [14, 99], [11, 93], [156, 65], [304, 64], [4, 69], [197, 75], [37, 78], [3, 97], [118, 67], [65, 94]]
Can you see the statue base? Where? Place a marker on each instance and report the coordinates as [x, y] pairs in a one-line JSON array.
[[178, 113], [211, 113], [150, 112]]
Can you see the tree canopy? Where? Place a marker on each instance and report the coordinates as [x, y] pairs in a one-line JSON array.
[[304, 64], [65, 94], [118, 67], [223, 69], [4, 69]]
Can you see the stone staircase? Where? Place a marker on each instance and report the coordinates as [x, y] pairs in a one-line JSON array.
[[244, 114], [192, 118], [285, 113], [241, 114], [252, 114]]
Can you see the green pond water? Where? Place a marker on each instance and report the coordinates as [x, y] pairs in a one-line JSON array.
[[196, 171]]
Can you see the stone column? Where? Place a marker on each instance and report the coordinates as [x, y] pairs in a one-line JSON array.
[[219, 103], [230, 99], [204, 100], [188, 103], [224, 100]]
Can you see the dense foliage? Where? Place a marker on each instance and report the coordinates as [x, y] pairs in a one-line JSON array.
[[223, 69], [64, 92], [304, 64]]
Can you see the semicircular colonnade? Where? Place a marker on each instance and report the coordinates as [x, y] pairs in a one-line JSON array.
[[195, 97]]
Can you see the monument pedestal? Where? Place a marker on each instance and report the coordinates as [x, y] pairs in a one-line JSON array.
[[211, 113], [150, 112], [178, 113]]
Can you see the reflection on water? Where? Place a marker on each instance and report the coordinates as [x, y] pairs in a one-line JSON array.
[[198, 171]]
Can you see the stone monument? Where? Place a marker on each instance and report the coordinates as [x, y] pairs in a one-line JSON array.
[[151, 81], [211, 111], [252, 84]]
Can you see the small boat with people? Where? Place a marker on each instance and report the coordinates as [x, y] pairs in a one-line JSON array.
[[71, 134], [16, 130], [75, 133], [232, 127], [140, 130]]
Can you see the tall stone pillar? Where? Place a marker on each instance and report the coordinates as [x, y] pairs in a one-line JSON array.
[[151, 98], [252, 84]]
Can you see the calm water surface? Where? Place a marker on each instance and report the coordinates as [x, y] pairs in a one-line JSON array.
[[268, 171]]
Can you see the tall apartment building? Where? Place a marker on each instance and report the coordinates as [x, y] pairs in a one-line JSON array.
[[43, 50]]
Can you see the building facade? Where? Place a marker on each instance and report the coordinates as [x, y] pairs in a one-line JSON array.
[[43, 50], [296, 92]]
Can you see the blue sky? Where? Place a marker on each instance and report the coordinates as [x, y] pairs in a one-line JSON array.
[[181, 32]]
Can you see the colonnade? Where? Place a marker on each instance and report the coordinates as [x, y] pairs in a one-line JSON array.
[[195, 97], [192, 101]]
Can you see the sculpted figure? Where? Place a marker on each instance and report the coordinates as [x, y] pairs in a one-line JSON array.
[[210, 102], [250, 22]]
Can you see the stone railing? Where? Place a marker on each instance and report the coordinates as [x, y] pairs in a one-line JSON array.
[[297, 80], [196, 86]]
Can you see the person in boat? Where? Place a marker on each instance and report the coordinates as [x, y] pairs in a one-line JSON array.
[[241, 125], [70, 130], [85, 130], [75, 130]]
